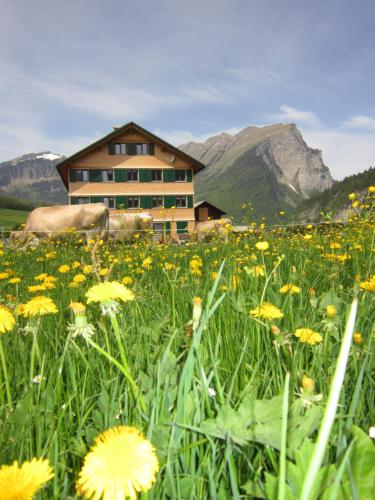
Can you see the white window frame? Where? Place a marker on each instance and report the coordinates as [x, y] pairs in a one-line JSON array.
[[183, 180], [158, 170], [134, 197], [157, 196], [131, 170], [105, 174], [183, 196], [84, 198]]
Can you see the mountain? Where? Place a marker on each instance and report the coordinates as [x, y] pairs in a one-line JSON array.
[[270, 167], [335, 202], [33, 178]]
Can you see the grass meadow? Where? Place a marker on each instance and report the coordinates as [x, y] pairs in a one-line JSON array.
[[10, 218], [231, 394]]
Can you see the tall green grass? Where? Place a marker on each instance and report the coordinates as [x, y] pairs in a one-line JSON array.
[[188, 376]]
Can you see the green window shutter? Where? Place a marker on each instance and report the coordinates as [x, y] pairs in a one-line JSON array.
[[121, 202], [190, 201], [169, 201], [151, 149], [182, 226], [96, 199], [73, 200], [72, 175], [111, 148], [95, 175], [131, 149], [120, 175], [144, 175], [169, 176], [145, 201], [189, 175], [168, 227]]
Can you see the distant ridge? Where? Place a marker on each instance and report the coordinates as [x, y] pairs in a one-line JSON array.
[[33, 178], [270, 167]]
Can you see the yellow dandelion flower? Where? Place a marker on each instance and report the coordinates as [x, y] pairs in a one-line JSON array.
[[335, 246], [49, 285], [50, 279], [15, 280], [21, 482], [4, 276], [262, 245], [41, 277], [127, 280], [36, 288], [103, 272], [331, 311], [7, 320], [289, 288], [308, 336], [257, 271], [352, 196], [39, 306], [120, 464], [64, 269], [87, 269], [108, 291], [308, 384], [371, 189], [368, 285], [357, 338], [307, 237], [355, 204], [266, 310], [75, 264], [78, 278], [77, 307]]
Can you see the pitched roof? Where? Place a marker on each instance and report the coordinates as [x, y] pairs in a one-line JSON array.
[[119, 131], [204, 202]]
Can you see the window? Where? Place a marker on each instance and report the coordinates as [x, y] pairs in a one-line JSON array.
[[133, 201], [132, 175], [157, 201], [157, 227], [181, 202], [156, 175], [83, 199], [81, 175], [180, 175], [120, 149], [130, 148], [107, 176], [109, 201]]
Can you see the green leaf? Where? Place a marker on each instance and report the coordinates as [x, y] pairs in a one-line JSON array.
[[361, 466], [254, 489], [260, 421]]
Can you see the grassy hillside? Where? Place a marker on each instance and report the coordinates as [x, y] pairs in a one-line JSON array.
[[249, 180], [334, 199], [9, 218]]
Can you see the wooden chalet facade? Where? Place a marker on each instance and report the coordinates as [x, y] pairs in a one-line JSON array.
[[132, 170]]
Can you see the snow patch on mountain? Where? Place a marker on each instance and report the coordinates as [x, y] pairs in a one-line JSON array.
[[49, 156]]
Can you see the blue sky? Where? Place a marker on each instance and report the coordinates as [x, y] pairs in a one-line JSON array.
[[70, 70]]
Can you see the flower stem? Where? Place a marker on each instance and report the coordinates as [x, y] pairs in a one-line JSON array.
[[330, 412], [7, 387]]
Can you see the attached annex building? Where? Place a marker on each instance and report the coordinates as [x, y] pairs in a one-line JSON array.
[[133, 170]]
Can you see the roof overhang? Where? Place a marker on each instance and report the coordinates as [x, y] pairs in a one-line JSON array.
[[61, 167]]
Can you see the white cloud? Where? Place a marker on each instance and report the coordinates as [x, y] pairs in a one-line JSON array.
[[289, 114], [18, 140], [180, 137], [345, 153], [360, 122]]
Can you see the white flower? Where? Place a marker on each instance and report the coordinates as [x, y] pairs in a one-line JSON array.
[[371, 432], [38, 379], [211, 392]]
